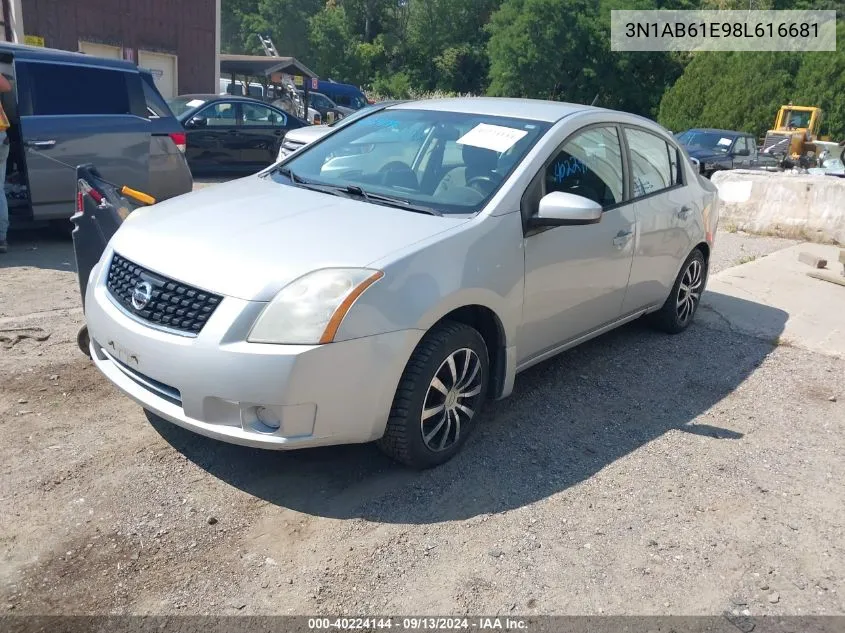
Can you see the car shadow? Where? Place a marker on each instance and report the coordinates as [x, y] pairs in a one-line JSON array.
[[567, 419], [45, 248]]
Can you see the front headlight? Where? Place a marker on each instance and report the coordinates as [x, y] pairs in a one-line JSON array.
[[309, 310]]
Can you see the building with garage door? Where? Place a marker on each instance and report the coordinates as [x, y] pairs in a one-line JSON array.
[[178, 40]]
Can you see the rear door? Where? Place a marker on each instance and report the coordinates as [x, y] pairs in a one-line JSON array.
[[263, 129], [665, 214], [72, 114]]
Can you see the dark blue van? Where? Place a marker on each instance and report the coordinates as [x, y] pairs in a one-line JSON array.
[[345, 95], [68, 108]]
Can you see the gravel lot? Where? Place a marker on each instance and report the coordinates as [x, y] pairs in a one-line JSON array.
[[637, 474]]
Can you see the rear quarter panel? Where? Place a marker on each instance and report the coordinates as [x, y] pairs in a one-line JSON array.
[[169, 172]]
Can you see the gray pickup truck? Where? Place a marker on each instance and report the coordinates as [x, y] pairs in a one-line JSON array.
[[69, 108]]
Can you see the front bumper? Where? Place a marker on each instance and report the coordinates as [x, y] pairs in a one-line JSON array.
[[215, 383]]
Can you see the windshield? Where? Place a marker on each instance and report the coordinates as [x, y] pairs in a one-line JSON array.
[[707, 140], [796, 118], [448, 162], [357, 102], [180, 105]]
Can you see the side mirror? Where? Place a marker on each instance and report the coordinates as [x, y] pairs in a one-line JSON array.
[[197, 121], [566, 209], [742, 152]]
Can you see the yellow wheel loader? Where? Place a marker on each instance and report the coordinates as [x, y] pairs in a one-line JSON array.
[[795, 137]]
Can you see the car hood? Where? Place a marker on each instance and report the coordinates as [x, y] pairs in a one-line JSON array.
[[250, 237], [308, 134]]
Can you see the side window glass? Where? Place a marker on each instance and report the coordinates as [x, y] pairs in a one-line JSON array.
[[68, 89], [219, 115], [674, 164], [752, 146], [651, 170], [589, 165], [156, 106], [255, 115]]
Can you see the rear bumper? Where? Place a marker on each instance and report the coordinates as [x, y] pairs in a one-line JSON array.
[[220, 386]]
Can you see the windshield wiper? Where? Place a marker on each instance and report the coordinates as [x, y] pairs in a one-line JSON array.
[[356, 190], [391, 201], [299, 181]]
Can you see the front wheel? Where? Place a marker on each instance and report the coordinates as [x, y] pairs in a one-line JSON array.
[[440, 394], [677, 313]]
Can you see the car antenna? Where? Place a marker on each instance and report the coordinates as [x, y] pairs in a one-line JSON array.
[[596, 98]]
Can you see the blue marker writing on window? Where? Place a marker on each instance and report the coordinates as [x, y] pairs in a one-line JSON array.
[[570, 167]]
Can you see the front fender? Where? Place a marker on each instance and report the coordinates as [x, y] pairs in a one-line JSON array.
[[482, 263]]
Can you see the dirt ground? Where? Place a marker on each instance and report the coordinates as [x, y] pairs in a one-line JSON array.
[[637, 474]]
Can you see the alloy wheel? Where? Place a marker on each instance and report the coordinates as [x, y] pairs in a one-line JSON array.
[[451, 400], [689, 291]]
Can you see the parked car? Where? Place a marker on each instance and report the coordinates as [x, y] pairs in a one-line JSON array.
[[345, 95], [228, 134], [301, 137], [67, 109], [328, 109], [253, 88], [715, 150], [385, 282]]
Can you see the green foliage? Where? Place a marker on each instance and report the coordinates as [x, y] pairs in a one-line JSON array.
[[552, 49], [821, 82], [743, 91]]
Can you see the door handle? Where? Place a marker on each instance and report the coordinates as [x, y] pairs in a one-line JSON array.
[[277, 132], [622, 238], [683, 212], [41, 144]]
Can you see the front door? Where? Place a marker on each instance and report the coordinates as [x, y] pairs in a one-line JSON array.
[[263, 129], [62, 108], [576, 276], [214, 139]]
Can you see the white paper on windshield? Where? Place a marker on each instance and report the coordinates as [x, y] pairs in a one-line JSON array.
[[725, 141], [193, 103], [495, 137]]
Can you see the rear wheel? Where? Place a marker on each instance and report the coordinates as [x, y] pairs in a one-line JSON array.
[[440, 394], [679, 310]]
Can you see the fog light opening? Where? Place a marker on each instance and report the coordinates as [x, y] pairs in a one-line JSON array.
[[268, 418]]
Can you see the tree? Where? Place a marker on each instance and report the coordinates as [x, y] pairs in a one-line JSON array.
[[560, 49], [821, 82], [732, 90], [545, 48], [234, 15]]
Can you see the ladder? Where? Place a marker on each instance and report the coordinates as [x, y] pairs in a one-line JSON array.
[[267, 45]]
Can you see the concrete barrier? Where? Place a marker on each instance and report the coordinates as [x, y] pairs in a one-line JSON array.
[[783, 203]]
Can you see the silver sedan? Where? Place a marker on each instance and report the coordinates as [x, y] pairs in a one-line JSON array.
[[384, 282]]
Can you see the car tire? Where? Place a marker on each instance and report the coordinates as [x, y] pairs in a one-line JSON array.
[[678, 312], [450, 355]]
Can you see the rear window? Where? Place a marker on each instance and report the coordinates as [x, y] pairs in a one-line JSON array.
[[180, 105], [156, 105], [56, 89]]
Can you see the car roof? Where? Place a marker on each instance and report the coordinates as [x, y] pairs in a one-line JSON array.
[[713, 130], [340, 87], [227, 97], [534, 109], [24, 51]]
